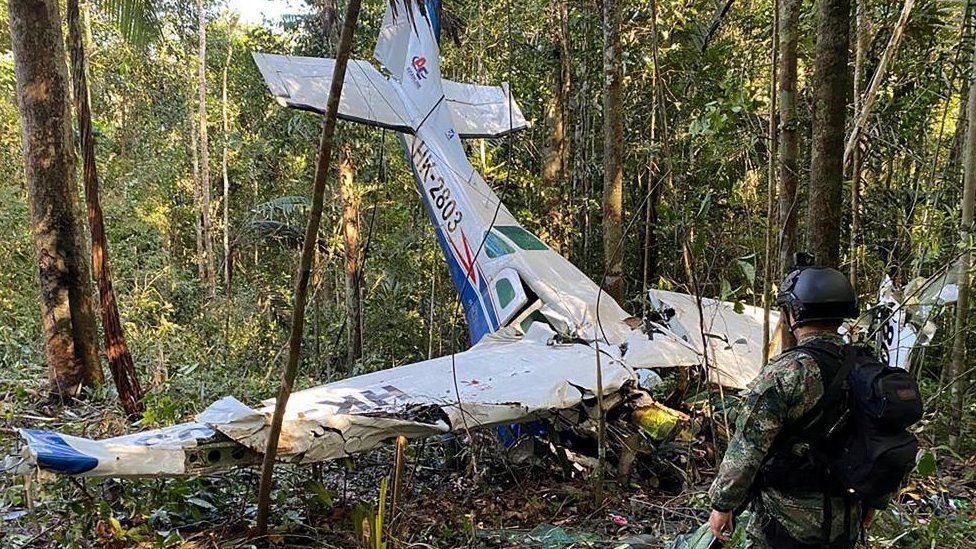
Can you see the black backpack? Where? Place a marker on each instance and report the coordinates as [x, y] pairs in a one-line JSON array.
[[855, 441]]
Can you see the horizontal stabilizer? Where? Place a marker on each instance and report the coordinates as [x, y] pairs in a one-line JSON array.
[[369, 98], [304, 83], [482, 111]]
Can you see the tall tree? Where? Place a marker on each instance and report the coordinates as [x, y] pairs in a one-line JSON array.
[[71, 348], [225, 138], [831, 90], [654, 175], [613, 174], [957, 374], [197, 219], [789, 144], [771, 181], [204, 143], [116, 349], [555, 163], [860, 52], [349, 197]]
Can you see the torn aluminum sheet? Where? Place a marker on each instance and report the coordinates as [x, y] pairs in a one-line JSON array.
[[901, 321], [732, 340], [503, 379], [506, 378]]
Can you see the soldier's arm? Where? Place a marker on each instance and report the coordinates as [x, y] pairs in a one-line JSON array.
[[879, 503], [775, 397]]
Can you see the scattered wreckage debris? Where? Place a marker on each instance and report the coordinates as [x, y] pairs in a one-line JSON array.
[[541, 379]]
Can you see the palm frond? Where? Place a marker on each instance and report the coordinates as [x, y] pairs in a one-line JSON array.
[[284, 206], [137, 20]]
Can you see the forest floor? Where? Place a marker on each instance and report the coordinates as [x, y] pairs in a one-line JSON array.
[[498, 499]]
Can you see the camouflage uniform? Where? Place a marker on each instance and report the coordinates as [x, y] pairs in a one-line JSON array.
[[785, 389]]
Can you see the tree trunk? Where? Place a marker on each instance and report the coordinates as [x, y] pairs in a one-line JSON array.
[[71, 349], [613, 252], [772, 135], [225, 126], [349, 197], [957, 374], [208, 253], [555, 163], [119, 359], [789, 144], [954, 159], [329, 18], [197, 219], [860, 52], [304, 269], [831, 90], [651, 246]]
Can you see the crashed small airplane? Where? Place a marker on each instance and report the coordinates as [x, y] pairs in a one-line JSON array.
[[538, 326]]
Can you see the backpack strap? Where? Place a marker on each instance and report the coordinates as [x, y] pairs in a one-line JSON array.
[[835, 363]]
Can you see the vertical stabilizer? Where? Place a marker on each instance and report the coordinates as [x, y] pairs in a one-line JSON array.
[[407, 47]]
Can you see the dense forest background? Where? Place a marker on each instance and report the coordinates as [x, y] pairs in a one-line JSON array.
[[695, 159]]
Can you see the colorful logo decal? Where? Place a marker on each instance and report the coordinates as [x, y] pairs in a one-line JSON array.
[[420, 67]]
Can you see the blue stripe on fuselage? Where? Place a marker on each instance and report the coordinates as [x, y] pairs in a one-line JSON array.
[[478, 309]]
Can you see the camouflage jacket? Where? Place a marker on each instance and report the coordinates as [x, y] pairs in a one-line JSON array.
[[785, 389]]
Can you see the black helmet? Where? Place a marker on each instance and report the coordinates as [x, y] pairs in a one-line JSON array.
[[812, 293]]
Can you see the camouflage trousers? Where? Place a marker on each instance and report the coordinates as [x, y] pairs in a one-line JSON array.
[[799, 518]]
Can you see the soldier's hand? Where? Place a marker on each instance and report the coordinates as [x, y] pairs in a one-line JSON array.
[[721, 524], [868, 517]]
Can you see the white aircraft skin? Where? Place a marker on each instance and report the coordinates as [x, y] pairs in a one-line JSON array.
[[471, 223], [498, 268]]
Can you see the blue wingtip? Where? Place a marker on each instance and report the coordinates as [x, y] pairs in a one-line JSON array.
[[55, 454]]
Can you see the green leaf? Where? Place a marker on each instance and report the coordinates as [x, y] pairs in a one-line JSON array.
[[747, 265], [926, 464], [202, 503], [705, 205], [725, 290]]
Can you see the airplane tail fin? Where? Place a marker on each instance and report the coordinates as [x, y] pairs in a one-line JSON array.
[[901, 321], [408, 49]]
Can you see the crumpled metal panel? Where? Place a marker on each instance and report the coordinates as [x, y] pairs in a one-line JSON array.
[[504, 379], [732, 340]]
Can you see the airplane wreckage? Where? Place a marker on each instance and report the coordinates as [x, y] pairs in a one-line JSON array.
[[539, 327]]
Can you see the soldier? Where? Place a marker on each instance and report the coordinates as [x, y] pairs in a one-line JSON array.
[[798, 512]]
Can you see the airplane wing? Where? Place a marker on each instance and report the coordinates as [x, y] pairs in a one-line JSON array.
[[368, 98], [506, 378]]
